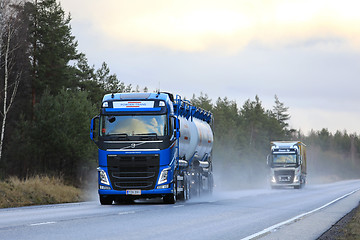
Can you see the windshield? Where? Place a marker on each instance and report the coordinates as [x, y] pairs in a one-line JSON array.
[[134, 125], [284, 158]]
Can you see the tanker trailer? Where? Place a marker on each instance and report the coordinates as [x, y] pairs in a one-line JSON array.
[[152, 145]]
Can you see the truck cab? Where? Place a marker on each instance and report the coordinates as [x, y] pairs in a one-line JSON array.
[[287, 163], [140, 151]]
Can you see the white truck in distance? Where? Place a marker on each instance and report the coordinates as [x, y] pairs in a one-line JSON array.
[[287, 162]]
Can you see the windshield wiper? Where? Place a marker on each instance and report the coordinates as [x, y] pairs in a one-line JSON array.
[[284, 164], [146, 134], [118, 136]]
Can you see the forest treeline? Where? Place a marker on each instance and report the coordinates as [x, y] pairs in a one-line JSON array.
[[49, 92], [242, 142]]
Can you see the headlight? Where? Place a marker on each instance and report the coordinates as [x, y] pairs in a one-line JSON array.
[[163, 186], [273, 180], [296, 178], [163, 176], [103, 177]]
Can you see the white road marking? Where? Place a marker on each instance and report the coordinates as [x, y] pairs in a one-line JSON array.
[[274, 227], [42, 223], [179, 206], [125, 213]]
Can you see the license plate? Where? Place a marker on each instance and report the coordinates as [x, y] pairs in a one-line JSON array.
[[284, 178], [133, 192]]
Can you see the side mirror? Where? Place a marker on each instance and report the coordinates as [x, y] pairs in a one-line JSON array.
[[176, 123], [176, 132], [177, 128], [94, 129], [173, 135]]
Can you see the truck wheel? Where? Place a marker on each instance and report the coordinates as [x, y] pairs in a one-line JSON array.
[[105, 200], [187, 190], [211, 184], [200, 185], [303, 182], [195, 189], [182, 195], [170, 198]]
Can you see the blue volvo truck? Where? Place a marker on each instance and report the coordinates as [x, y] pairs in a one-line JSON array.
[[152, 145]]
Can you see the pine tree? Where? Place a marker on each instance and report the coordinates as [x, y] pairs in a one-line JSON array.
[[254, 117], [53, 47], [203, 101], [280, 112]]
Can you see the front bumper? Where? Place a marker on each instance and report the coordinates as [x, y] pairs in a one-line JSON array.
[[144, 193], [285, 184]]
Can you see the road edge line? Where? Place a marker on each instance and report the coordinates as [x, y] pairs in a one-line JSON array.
[[278, 225]]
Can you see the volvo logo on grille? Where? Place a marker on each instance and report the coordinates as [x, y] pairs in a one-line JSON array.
[[133, 145]]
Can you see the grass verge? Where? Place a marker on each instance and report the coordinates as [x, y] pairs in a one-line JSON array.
[[36, 191], [351, 231]]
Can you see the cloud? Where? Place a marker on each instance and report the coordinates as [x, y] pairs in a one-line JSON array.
[[317, 119], [305, 51], [227, 25]]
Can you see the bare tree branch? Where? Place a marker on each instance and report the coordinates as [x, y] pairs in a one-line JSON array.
[[8, 30]]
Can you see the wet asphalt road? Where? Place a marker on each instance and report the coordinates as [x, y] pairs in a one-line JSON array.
[[224, 215]]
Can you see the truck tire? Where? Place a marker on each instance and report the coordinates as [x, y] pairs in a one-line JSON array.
[[211, 184], [195, 188], [200, 185], [303, 181], [170, 198], [182, 195], [187, 190], [105, 200]]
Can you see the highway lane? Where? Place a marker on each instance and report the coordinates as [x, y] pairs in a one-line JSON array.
[[225, 215]]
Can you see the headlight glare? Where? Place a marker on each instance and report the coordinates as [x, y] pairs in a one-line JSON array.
[[273, 180], [296, 178]]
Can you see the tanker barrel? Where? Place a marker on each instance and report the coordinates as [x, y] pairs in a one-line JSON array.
[[183, 163], [203, 164]]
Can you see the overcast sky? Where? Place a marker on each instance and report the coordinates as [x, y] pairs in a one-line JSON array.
[[307, 52]]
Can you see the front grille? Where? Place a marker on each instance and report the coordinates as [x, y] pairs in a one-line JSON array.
[[284, 176], [133, 171]]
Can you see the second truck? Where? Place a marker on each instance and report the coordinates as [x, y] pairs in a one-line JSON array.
[[287, 162]]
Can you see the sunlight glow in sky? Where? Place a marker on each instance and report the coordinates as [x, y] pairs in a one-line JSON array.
[[307, 52], [228, 24]]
